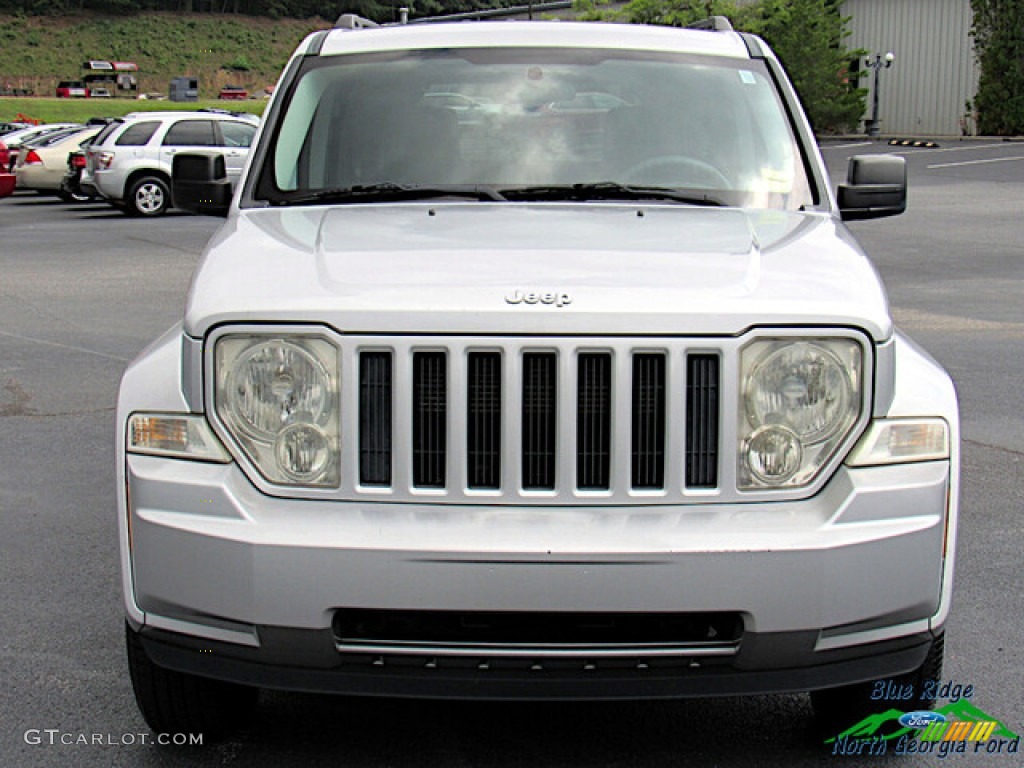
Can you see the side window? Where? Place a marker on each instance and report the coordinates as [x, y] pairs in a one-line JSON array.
[[137, 134], [191, 133], [102, 137], [237, 134]]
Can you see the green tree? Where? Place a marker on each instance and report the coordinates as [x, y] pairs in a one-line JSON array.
[[807, 36], [998, 32], [669, 13]]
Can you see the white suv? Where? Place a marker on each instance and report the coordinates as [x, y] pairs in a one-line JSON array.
[[129, 164], [487, 397]]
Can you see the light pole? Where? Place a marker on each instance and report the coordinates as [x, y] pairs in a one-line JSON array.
[[878, 64]]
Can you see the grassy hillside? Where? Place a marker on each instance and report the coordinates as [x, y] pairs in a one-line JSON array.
[[37, 52]]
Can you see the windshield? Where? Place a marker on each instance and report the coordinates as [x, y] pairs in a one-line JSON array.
[[534, 124]]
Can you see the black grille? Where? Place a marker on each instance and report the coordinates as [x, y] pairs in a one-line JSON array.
[[594, 421], [429, 419], [702, 421], [533, 628], [375, 418], [389, 393], [648, 448], [540, 380], [483, 420]]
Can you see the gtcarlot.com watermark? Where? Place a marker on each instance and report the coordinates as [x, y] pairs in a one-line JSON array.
[[53, 737]]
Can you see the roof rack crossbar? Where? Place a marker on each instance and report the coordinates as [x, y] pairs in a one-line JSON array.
[[713, 23], [352, 21]]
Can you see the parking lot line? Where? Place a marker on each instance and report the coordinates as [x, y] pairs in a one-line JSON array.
[[34, 340], [977, 162], [971, 148], [847, 146]]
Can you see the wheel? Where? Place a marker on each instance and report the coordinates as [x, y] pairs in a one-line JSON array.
[[148, 196], [175, 702], [676, 171], [837, 709]]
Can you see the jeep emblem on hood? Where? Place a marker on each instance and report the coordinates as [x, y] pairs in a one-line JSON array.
[[548, 297]]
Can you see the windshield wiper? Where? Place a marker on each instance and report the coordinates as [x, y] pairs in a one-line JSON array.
[[390, 192], [606, 190]]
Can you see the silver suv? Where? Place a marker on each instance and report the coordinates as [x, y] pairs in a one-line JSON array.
[[129, 164], [574, 387]]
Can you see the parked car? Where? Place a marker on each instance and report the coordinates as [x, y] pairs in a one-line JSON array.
[[72, 89], [42, 163], [233, 93], [15, 139], [71, 186], [6, 128], [100, 93], [532, 417], [129, 163]]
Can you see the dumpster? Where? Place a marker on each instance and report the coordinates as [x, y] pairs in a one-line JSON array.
[[184, 89]]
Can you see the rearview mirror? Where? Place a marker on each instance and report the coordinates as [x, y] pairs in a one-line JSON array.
[[876, 186], [199, 183]]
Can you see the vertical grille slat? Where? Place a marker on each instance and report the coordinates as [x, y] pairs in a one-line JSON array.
[[648, 454], [375, 430], [594, 421], [483, 420], [511, 417], [429, 419], [540, 393], [702, 385]]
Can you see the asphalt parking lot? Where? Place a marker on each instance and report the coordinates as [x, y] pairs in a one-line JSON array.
[[84, 289]]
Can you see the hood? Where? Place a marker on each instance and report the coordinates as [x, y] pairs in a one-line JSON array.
[[521, 269]]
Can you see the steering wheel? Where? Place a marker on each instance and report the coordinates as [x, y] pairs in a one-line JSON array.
[[676, 171]]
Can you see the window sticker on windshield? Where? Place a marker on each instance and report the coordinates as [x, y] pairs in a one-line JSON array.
[[775, 180], [748, 77]]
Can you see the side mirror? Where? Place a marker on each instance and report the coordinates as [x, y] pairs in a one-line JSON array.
[[199, 183], [876, 186]]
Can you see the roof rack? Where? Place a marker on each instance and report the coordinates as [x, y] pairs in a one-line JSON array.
[[352, 21], [497, 13], [712, 23]]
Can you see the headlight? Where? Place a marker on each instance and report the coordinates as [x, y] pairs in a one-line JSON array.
[[278, 396], [800, 399]]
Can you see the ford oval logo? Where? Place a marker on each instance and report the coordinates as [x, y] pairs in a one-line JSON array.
[[921, 719]]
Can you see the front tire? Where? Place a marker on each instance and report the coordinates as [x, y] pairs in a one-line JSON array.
[[836, 709], [149, 196], [176, 702]]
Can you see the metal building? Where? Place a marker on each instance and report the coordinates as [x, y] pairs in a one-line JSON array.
[[934, 72]]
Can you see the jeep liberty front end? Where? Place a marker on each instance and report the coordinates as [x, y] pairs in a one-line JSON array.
[[534, 360]]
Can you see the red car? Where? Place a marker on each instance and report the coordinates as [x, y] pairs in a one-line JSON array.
[[233, 92], [72, 89], [6, 179]]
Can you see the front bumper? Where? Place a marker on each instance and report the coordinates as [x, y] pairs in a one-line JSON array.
[[479, 679], [838, 588]]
